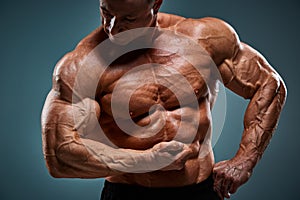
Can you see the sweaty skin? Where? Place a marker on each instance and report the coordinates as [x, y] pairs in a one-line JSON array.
[[244, 71]]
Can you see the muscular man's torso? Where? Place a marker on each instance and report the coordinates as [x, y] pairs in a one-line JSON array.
[[154, 106]]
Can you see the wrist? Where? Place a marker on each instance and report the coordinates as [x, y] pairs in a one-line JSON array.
[[248, 162]]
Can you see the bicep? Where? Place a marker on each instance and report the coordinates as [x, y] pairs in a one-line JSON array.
[[66, 119], [64, 123]]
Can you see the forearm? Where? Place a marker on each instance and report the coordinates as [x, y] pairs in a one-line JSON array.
[[261, 120], [67, 156], [76, 157]]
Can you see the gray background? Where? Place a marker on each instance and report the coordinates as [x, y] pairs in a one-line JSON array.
[[35, 34]]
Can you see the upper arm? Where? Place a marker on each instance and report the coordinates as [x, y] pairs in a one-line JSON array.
[[75, 84], [248, 71], [243, 69], [66, 116], [57, 110]]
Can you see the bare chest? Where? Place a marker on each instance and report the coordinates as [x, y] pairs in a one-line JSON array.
[[151, 79]]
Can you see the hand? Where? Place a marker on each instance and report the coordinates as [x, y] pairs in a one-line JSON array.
[[229, 175], [173, 155]]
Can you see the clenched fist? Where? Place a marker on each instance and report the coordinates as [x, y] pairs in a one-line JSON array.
[[229, 175]]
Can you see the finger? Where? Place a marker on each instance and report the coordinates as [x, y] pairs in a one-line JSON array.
[[220, 194], [183, 155], [234, 186], [175, 146], [225, 187], [218, 182], [215, 173], [217, 189], [174, 159]]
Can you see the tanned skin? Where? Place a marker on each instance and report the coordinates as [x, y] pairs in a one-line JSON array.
[[244, 71]]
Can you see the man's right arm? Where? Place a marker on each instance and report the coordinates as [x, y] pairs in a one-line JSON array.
[[68, 155]]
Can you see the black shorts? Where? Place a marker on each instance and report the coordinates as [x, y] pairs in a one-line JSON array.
[[119, 191]]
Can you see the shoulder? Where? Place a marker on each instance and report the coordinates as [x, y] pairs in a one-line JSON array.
[[166, 20], [216, 36], [195, 27], [67, 69]]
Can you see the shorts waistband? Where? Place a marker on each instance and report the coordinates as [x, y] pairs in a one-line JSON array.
[[207, 183]]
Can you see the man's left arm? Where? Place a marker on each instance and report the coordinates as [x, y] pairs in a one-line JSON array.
[[248, 74]]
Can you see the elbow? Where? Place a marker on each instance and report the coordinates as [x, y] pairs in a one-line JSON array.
[[54, 167], [277, 88], [55, 173], [64, 163], [282, 91]]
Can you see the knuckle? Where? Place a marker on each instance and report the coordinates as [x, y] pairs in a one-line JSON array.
[[222, 174], [235, 180], [216, 170]]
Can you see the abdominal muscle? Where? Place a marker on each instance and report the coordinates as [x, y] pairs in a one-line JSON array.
[[195, 170]]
